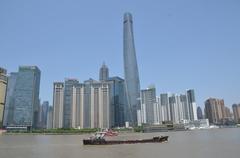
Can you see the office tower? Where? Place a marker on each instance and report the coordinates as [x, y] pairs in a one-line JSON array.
[[9, 107], [67, 102], [185, 106], [199, 113], [192, 104], [23, 97], [118, 101], [58, 95], [50, 118], [236, 112], [148, 100], [215, 110], [3, 88], [164, 101], [103, 73], [44, 114], [132, 83]]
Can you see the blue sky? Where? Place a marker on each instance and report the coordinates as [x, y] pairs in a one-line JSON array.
[[179, 44]]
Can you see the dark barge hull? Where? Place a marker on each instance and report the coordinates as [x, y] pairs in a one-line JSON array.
[[112, 142]]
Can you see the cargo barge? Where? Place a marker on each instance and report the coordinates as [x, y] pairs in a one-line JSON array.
[[102, 141]]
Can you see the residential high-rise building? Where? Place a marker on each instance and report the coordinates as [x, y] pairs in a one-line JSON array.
[[3, 88], [132, 82], [174, 108], [92, 105], [158, 112], [164, 103], [148, 101], [103, 73], [23, 97], [192, 105], [185, 106], [199, 113], [67, 102], [78, 107], [215, 110], [58, 95], [236, 112], [87, 105]]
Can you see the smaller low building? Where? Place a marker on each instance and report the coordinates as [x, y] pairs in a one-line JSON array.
[[197, 124]]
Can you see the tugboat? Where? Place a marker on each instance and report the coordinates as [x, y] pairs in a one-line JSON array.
[[100, 140]]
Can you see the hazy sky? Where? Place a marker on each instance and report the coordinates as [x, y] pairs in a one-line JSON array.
[[179, 44]]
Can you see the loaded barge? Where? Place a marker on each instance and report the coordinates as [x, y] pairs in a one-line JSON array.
[[102, 141]]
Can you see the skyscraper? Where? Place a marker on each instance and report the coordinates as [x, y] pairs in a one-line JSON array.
[[3, 88], [164, 102], [58, 92], [103, 73], [9, 107], [118, 101], [215, 110], [132, 83], [192, 104], [23, 97], [67, 102], [199, 113], [236, 112], [148, 100]]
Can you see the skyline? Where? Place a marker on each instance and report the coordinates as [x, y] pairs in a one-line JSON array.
[[60, 36]]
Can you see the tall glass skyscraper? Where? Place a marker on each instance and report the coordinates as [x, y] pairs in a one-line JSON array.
[[132, 83], [23, 97]]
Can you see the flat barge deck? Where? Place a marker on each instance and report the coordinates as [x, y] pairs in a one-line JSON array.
[[102, 141]]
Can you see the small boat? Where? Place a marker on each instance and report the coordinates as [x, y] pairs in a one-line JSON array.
[[102, 141]]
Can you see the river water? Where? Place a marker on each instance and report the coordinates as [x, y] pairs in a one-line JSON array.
[[214, 143]]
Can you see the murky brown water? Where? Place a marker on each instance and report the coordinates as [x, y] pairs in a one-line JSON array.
[[217, 143]]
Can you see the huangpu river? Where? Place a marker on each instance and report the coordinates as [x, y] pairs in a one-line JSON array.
[[213, 143]]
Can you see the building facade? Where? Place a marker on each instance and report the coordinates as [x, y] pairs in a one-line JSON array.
[[68, 102], [3, 89], [215, 110], [236, 112], [148, 104], [192, 105], [23, 97], [89, 105], [58, 91], [118, 101], [132, 83]]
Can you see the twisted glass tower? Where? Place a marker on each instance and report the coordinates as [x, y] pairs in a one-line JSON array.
[[132, 84]]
